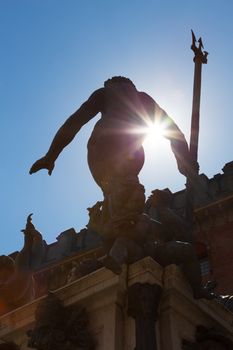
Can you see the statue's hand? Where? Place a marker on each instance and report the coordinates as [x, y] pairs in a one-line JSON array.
[[42, 163], [188, 168]]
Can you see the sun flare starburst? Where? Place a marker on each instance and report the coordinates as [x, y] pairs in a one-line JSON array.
[[155, 133]]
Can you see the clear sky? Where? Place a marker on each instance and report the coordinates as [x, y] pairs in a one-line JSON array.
[[55, 53]]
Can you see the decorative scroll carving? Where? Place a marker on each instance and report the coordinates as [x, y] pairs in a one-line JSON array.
[[60, 328]]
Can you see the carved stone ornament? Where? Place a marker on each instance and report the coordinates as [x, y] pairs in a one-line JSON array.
[[60, 328], [208, 339]]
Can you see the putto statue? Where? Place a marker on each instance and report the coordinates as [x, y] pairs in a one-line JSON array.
[[16, 281]]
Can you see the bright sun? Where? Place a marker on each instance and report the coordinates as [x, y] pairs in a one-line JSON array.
[[155, 134]]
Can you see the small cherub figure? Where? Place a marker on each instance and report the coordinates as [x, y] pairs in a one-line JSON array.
[[16, 281]]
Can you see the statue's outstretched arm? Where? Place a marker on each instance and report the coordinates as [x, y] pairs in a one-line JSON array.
[[68, 131], [172, 133], [179, 146]]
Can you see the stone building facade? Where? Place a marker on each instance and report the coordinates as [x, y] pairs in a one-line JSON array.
[[214, 227], [213, 231], [147, 306]]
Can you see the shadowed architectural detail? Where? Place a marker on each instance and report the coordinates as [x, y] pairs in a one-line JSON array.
[[172, 245], [57, 327], [9, 346], [225, 300], [129, 238], [66, 271], [143, 302], [208, 339]]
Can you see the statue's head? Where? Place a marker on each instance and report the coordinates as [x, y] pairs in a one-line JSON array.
[[118, 80], [7, 268]]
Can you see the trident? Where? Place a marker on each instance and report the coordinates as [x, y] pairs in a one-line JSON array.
[[200, 57]]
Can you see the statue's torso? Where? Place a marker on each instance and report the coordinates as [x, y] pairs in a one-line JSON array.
[[122, 112], [115, 145]]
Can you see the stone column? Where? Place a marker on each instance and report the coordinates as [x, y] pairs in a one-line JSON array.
[[143, 302]]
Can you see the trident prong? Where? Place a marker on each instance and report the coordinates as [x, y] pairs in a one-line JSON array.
[[198, 53], [200, 43], [193, 41]]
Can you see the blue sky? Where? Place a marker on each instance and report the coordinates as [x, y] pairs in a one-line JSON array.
[[55, 53]]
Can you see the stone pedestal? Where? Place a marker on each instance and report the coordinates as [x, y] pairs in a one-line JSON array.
[[118, 305]]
